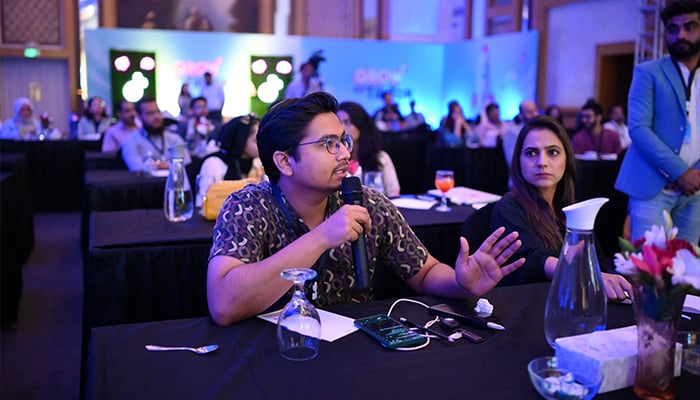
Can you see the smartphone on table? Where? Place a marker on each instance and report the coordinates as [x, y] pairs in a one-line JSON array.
[[389, 332]]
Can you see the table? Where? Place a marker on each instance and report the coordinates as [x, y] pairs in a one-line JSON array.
[[55, 170], [140, 267], [114, 190], [247, 364], [407, 150], [10, 258], [107, 160], [17, 201], [482, 168], [596, 178]]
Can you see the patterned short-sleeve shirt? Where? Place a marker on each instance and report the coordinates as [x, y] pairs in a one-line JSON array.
[[252, 226]]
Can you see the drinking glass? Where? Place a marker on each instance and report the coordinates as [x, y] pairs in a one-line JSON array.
[[374, 180], [444, 181], [299, 325]]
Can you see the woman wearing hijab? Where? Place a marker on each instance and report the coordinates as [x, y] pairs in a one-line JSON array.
[[237, 157], [23, 125]]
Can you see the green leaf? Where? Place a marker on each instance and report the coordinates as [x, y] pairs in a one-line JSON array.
[[625, 245]]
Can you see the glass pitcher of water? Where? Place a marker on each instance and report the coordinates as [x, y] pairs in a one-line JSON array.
[[177, 203]]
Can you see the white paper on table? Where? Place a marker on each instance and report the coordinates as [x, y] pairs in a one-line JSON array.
[[333, 326], [415, 204], [465, 195], [691, 304], [159, 173]]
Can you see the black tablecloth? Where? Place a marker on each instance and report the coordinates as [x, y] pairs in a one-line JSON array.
[[596, 178], [99, 160], [18, 203], [141, 267], [55, 171], [247, 364], [10, 262], [115, 190], [482, 168], [408, 153]]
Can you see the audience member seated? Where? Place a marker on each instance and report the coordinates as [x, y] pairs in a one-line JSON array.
[[183, 101], [528, 110], [593, 137], [298, 216], [150, 144], [237, 159], [199, 130], [492, 129], [414, 119], [555, 112], [388, 118], [127, 124], [95, 120], [23, 125], [454, 130], [367, 147], [617, 124], [543, 176]]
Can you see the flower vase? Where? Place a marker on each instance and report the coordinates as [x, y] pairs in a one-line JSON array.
[[658, 316]]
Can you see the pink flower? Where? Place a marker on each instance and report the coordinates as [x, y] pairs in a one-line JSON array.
[[669, 265], [649, 262]]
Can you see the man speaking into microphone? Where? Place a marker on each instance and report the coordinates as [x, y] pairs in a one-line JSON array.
[[299, 220]]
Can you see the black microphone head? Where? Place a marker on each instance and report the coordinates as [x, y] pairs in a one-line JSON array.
[[351, 190]]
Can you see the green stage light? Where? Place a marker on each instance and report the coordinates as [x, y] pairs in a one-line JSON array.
[[132, 75], [269, 76]]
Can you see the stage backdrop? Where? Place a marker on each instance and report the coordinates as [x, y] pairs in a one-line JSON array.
[[500, 68]]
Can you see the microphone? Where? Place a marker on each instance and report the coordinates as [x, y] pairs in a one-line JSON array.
[[352, 194]]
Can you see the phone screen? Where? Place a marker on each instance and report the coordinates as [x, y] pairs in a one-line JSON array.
[[390, 332]]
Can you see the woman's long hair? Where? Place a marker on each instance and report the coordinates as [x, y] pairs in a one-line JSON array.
[[370, 142], [88, 113], [449, 122], [548, 220]]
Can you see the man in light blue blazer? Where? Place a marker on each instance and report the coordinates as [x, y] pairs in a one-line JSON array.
[[662, 167]]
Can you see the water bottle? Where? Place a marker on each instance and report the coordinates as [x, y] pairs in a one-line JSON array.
[[576, 303], [177, 204], [149, 162], [73, 125]]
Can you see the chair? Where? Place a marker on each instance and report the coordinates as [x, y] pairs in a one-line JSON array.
[[218, 192], [477, 227]]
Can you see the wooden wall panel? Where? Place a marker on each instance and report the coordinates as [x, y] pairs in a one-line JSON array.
[[37, 21], [503, 16], [53, 25], [44, 81]]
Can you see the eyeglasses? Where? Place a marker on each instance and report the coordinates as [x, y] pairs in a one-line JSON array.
[[332, 143]]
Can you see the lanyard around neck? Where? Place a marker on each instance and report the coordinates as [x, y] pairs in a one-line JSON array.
[[686, 86], [160, 150]]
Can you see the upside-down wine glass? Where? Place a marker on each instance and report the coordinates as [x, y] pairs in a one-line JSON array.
[[444, 181], [299, 325]]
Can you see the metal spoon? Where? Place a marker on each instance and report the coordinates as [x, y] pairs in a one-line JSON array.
[[199, 350]]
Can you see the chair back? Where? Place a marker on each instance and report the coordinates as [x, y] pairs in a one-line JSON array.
[[217, 194], [477, 227]]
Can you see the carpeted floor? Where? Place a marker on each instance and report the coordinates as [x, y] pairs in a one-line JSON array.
[[40, 354]]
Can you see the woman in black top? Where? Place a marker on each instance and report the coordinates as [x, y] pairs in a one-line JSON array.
[[543, 173]]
